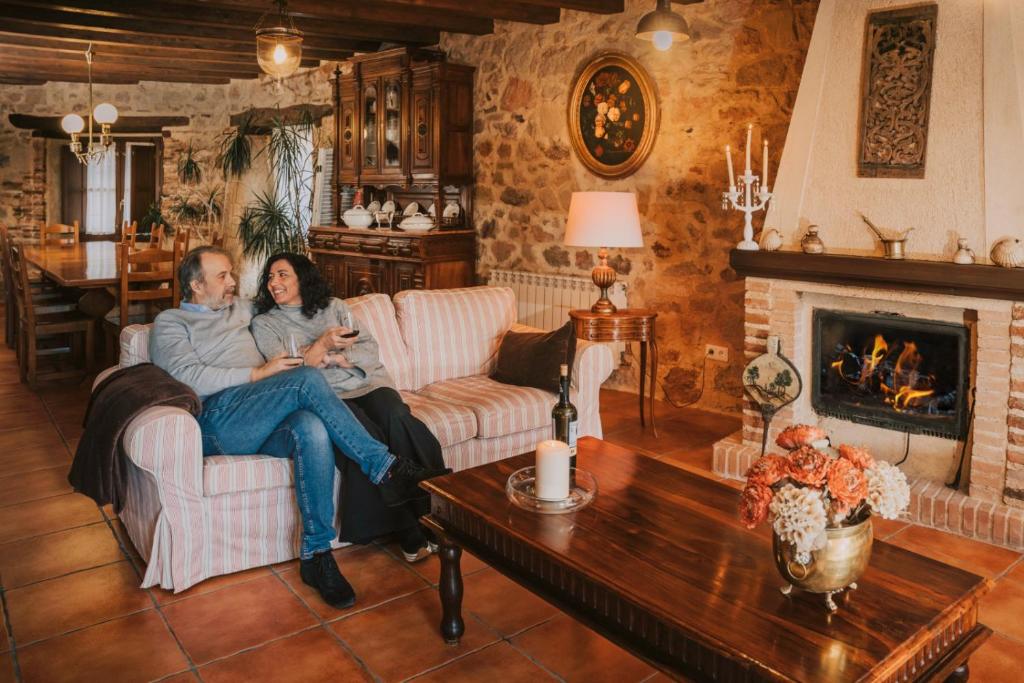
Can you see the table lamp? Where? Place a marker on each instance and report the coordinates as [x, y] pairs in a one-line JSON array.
[[603, 219]]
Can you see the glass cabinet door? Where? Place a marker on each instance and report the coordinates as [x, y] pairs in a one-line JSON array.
[[392, 124], [370, 126]]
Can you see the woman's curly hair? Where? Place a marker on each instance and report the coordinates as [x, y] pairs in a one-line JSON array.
[[313, 288]]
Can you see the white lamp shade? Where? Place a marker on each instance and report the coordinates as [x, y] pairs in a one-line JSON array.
[[72, 123], [603, 219], [105, 113]]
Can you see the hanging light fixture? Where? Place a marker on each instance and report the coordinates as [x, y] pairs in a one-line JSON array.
[[279, 45], [663, 26], [104, 114]]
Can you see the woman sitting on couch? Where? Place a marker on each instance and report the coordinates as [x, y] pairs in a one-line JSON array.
[[296, 315]]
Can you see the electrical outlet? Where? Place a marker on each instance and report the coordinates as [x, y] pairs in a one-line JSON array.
[[719, 353]]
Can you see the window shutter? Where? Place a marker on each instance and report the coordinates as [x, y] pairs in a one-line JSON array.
[[323, 211]]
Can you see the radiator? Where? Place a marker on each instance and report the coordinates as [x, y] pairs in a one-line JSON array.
[[544, 301]]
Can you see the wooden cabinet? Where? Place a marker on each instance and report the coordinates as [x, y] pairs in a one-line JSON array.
[[406, 118], [358, 261]]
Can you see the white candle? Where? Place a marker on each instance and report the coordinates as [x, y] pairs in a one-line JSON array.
[[764, 165], [552, 470], [750, 130], [728, 160]]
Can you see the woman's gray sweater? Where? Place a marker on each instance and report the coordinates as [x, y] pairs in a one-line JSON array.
[[271, 330]]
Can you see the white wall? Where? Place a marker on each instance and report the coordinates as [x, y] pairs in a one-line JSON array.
[[975, 121]]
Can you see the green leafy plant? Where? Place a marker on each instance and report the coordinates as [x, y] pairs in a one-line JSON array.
[[268, 226], [189, 171], [235, 157], [153, 216]]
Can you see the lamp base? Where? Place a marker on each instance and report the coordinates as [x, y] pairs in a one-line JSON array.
[[603, 276]]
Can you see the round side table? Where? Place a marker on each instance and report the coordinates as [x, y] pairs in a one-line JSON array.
[[626, 325]]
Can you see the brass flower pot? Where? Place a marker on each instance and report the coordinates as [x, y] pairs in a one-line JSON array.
[[831, 569]]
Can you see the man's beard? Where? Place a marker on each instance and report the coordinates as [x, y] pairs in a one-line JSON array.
[[222, 302]]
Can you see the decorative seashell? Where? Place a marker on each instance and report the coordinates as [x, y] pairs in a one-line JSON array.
[[771, 240], [1008, 253]]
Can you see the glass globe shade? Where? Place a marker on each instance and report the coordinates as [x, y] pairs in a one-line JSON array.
[[72, 123], [105, 113], [279, 51]]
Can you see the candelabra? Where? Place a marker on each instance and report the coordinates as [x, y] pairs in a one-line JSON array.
[[751, 189]]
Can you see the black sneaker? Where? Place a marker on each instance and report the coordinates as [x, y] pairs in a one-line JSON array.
[[399, 485], [322, 573], [414, 544]]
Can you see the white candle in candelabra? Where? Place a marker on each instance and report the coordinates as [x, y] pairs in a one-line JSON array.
[[764, 167], [750, 130], [728, 161], [552, 470]]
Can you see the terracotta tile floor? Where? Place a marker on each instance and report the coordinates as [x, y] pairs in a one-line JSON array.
[[72, 609]]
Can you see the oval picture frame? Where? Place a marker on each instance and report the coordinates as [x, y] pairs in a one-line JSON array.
[[613, 144]]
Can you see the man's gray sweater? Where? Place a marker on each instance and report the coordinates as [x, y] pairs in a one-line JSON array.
[[208, 350]]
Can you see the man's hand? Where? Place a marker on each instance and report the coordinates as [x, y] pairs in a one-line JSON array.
[[273, 366]]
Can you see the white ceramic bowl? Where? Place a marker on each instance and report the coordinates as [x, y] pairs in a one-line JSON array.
[[417, 223], [357, 217]]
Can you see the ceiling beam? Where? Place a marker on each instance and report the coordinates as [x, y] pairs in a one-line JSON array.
[[103, 70], [76, 73], [490, 9], [235, 19], [49, 126], [382, 11], [69, 46], [22, 19], [593, 6], [46, 56]]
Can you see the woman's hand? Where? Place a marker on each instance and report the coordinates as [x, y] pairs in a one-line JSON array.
[[338, 360], [273, 366], [334, 339]]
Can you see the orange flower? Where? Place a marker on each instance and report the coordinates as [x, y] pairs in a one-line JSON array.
[[796, 436], [767, 470], [858, 456], [808, 465], [846, 482], [754, 504]]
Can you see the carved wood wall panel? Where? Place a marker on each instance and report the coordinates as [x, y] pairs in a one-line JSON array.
[[899, 53]]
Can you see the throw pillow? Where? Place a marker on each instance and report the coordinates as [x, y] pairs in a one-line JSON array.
[[531, 359]]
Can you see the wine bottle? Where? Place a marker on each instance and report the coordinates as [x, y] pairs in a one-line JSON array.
[[564, 416]]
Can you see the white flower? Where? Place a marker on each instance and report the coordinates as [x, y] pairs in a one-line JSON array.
[[624, 87], [599, 121], [888, 491], [799, 517], [602, 108], [614, 114], [599, 132]]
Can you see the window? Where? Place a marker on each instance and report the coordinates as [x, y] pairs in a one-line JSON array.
[[298, 190], [101, 196]]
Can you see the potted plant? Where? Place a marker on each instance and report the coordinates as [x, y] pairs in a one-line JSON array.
[[819, 503]]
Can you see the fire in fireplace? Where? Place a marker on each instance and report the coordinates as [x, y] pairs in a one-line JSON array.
[[890, 371]]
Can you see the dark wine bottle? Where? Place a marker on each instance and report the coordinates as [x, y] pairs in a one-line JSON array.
[[564, 416]]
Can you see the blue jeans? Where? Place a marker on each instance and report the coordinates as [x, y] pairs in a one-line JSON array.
[[281, 413]]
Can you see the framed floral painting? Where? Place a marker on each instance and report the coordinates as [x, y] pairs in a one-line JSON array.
[[613, 115]]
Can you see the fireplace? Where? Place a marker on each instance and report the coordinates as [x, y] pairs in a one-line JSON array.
[[890, 371]]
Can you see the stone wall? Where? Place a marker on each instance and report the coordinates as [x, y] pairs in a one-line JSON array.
[[743, 65]]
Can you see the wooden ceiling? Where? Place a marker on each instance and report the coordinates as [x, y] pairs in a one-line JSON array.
[[212, 41]]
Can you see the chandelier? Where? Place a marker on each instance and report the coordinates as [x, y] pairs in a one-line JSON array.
[[104, 114], [663, 26], [278, 46]]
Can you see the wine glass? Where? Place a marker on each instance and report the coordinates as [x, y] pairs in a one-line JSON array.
[[293, 347], [346, 320]]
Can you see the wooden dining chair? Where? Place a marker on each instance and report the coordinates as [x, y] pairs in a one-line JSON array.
[[41, 333], [48, 297], [60, 233], [182, 238], [156, 235], [147, 283], [130, 233]]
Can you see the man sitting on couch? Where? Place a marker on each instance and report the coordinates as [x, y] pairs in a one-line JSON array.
[[275, 408]]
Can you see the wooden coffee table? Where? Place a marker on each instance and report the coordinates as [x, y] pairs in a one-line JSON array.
[[659, 564]]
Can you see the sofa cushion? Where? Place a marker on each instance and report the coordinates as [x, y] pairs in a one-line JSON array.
[[534, 359], [233, 473], [451, 423], [134, 345], [500, 409], [451, 333], [376, 313]]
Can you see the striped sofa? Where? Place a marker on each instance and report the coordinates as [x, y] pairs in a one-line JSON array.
[[192, 517]]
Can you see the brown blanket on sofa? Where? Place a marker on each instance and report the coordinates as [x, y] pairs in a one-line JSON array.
[[99, 469]]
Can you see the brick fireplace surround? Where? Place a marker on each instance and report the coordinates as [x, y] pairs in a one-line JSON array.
[[990, 503]]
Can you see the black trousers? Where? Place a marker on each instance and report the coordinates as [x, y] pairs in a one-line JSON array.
[[388, 419]]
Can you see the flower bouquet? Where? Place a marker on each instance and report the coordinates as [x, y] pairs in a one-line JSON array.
[[819, 503]]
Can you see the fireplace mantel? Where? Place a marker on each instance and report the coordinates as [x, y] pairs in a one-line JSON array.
[[982, 281]]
